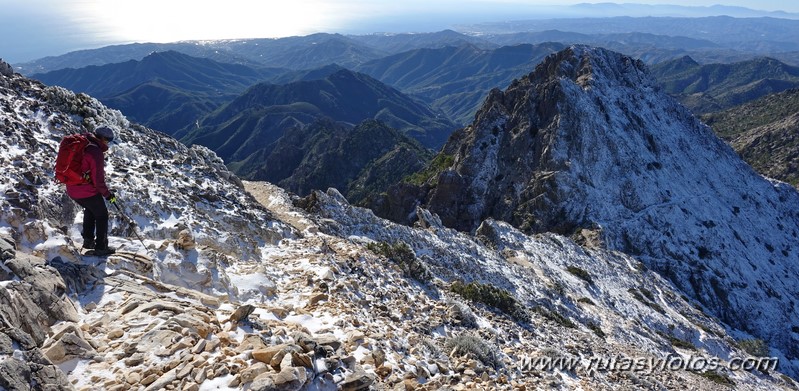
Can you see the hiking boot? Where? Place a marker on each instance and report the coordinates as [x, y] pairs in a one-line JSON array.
[[102, 252], [88, 244]]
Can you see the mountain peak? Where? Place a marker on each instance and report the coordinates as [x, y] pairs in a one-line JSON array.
[[601, 71], [687, 60], [586, 66], [167, 54], [588, 142]]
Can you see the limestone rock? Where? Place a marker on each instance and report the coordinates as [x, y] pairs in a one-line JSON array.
[[149, 379], [199, 347], [253, 371], [263, 382], [69, 345], [161, 382], [315, 299], [280, 358], [357, 381], [157, 339], [355, 336], [76, 276], [134, 360], [31, 372], [115, 333], [185, 371], [304, 341], [427, 219], [290, 379], [14, 375], [194, 321], [265, 355], [328, 340], [251, 342], [42, 286], [379, 357], [133, 378], [6, 344], [7, 248], [302, 360], [185, 240], [241, 313]]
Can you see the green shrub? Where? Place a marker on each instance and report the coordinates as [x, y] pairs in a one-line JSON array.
[[402, 254], [580, 273], [439, 163], [650, 304], [491, 296], [678, 343], [468, 344], [681, 343], [636, 295], [716, 377], [755, 347], [647, 293], [555, 317], [586, 300], [596, 329]]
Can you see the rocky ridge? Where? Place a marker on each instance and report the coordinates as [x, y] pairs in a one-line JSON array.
[[244, 286], [588, 142]]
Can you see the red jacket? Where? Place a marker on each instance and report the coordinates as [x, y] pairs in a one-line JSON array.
[[94, 164]]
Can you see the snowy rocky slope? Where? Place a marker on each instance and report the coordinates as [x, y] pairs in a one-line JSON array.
[[243, 286], [588, 143]]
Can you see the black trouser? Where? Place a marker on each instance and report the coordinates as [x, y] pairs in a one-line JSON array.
[[95, 219]]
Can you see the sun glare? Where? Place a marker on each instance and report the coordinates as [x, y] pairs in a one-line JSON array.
[[167, 20]]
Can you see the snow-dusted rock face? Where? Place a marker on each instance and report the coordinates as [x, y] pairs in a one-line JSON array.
[[588, 141], [580, 288], [163, 186]]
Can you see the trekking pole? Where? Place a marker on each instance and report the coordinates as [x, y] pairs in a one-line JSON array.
[[130, 222]]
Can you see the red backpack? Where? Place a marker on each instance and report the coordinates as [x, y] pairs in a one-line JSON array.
[[70, 159]]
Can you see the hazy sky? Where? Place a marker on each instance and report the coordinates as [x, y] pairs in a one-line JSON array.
[[33, 29]]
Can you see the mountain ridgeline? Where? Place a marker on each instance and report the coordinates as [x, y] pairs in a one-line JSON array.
[[456, 79], [360, 161], [765, 133], [165, 90], [653, 39], [715, 87], [589, 145], [253, 123]]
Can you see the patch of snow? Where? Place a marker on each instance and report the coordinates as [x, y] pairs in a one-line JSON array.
[[360, 353], [218, 384], [312, 323]]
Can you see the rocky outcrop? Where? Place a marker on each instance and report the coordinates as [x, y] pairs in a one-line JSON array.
[[6, 69], [31, 301], [588, 141], [161, 184]]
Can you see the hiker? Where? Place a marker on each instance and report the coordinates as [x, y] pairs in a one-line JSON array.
[[90, 193]]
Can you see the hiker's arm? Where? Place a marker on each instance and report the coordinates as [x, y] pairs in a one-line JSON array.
[[98, 172]]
